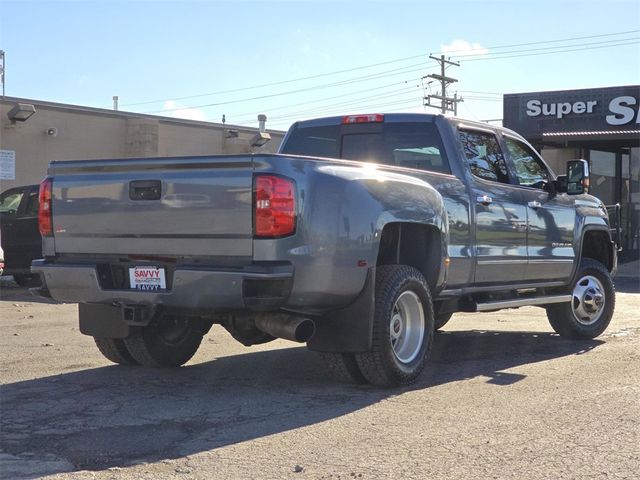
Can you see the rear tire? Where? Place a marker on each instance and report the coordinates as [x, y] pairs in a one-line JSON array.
[[114, 349], [168, 342], [342, 367], [591, 308], [441, 320], [402, 327]]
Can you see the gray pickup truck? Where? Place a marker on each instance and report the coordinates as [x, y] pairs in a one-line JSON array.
[[362, 236]]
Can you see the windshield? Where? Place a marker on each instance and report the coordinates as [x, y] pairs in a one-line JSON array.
[[410, 145]]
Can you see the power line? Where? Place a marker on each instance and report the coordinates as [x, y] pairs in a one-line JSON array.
[[341, 105], [550, 53], [301, 90], [310, 77], [282, 82], [546, 48], [569, 39], [405, 82], [309, 114]]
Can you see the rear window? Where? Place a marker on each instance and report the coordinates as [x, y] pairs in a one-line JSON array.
[[409, 145]]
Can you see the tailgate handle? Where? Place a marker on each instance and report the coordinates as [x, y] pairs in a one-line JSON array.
[[145, 189]]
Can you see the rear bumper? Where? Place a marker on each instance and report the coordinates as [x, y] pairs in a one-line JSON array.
[[255, 287]]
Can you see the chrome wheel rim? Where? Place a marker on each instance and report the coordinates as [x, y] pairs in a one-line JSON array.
[[406, 327], [588, 300]]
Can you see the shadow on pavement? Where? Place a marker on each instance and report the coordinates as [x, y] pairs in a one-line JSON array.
[[117, 416]]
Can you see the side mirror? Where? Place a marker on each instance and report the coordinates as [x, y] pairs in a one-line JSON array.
[[577, 177]]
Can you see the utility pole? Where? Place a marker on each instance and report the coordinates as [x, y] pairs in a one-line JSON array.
[[2, 69], [446, 104]]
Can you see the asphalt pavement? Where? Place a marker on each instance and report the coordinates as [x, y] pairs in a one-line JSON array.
[[503, 397]]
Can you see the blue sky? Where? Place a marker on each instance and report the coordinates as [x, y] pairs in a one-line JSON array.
[[84, 52]]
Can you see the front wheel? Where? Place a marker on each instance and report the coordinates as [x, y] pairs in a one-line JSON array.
[[592, 303], [168, 342], [403, 326]]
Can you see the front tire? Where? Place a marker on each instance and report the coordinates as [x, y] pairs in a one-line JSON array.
[[168, 342], [403, 327], [591, 308]]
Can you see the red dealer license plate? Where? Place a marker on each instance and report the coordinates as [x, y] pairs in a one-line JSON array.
[[147, 278]]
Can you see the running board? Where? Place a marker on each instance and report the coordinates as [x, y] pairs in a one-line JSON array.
[[522, 302]]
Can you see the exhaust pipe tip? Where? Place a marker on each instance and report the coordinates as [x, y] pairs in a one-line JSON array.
[[304, 330], [289, 327]]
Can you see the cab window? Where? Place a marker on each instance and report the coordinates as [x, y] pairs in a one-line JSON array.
[[484, 156], [530, 171]]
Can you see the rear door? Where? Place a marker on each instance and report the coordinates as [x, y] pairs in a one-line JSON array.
[[498, 213]]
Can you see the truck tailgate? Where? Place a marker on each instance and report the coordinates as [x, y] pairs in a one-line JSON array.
[[156, 206]]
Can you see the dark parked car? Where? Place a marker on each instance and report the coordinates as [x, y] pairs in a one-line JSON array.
[[21, 240]]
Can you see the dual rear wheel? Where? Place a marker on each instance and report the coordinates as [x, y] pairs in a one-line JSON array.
[[403, 327], [167, 342]]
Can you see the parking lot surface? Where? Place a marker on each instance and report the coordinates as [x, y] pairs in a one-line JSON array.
[[502, 397]]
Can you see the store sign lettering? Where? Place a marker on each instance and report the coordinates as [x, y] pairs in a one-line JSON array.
[[623, 109]]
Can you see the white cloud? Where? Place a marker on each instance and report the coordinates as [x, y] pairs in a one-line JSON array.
[[462, 47], [180, 111]]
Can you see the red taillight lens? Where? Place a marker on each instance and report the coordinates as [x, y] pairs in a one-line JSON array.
[[44, 212], [372, 118], [275, 207]]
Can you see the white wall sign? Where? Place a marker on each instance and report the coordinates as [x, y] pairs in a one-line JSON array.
[[7, 164]]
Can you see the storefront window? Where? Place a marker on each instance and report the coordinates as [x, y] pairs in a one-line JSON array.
[[630, 199], [603, 176]]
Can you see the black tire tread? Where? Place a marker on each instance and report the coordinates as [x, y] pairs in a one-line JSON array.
[[373, 363], [342, 367], [560, 315], [142, 348], [115, 350]]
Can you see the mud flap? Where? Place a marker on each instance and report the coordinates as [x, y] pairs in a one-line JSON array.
[[103, 321], [349, 329]]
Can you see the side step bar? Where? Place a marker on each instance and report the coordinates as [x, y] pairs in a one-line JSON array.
[[522, 302]]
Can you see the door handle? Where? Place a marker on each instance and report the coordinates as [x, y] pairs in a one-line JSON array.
[[484, 199], [534, 204]]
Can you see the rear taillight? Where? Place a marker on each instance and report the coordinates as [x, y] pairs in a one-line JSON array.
[[44, 212], [275, 206], [371, 118]]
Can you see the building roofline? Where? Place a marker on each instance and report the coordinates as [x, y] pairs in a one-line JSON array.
[[572, 90], [122, 113]]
